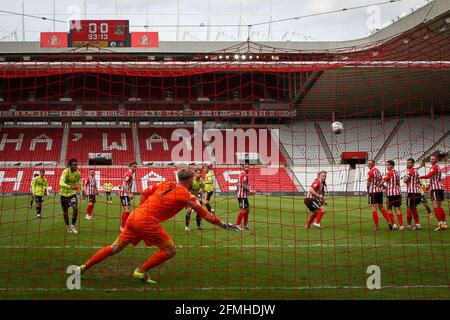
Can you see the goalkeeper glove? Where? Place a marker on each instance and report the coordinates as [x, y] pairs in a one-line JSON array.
[[229, 226]]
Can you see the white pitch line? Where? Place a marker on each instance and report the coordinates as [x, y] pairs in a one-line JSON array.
[[317, 245], [272, 288]]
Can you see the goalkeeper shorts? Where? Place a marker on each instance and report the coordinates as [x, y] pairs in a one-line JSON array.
[[136, 231]]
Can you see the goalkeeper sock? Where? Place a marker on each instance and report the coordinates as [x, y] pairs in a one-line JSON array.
[[375, 219], [240, 216], [385, 215], [400, 219], [199, 220], [89, 209], [409, 216], [66, 217], [208, 206], [38, 210], [156, 259], [125, 216], [428, 209], [319, 216], [101, 255]]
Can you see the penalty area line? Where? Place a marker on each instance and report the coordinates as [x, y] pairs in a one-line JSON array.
[[235, 288], [316, 245]]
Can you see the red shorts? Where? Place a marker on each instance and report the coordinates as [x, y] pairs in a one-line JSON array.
[[136, 231]]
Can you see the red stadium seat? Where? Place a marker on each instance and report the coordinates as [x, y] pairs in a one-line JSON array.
[[261, 179], [117, 142], [156, 144], [30, 144]]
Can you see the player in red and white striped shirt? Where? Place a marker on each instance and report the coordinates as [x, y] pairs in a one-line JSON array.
[[437, 192], [315, 200], [126, 192], [414, 197], [91, 190], [375, 192], [393, 193], [243, 190]]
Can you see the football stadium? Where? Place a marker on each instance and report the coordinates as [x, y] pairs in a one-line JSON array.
[[316, 169]]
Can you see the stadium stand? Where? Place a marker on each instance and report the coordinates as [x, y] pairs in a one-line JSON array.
[[84, 141], [360, 182], [337, 176], [133, 104], [300, 140], [363, 135], [442, 146], [264, 147], [415, 136], [19, 145], [221, 105], [302, 143], [261, 179], [156, 144]]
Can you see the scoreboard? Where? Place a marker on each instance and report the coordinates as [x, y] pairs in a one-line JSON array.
[[99, 33]]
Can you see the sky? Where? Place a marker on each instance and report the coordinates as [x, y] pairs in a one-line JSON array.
[[159, 14]]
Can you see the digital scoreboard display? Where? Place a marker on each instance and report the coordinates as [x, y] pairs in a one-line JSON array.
[[99, 33]]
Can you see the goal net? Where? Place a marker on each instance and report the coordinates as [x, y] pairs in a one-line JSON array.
[[270, 108]]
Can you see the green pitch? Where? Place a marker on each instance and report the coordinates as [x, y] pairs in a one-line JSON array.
[[278, 259]]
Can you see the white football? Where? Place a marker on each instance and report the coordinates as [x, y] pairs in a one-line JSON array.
[[337, 127]]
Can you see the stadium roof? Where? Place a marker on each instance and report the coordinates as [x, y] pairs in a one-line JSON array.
[[433, 15], [401, 69]]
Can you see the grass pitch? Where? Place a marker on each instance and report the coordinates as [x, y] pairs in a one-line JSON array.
[[278, 259]]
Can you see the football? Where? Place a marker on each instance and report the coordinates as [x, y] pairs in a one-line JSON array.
[[337, 127]]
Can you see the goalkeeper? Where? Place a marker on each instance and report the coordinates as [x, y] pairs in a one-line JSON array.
[[158, 203]]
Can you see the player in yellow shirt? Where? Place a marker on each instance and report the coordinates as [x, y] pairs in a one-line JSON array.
[[70, 183], [197, 189], [209, 187], [31, 190], [108, 188], [39, 187]]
